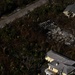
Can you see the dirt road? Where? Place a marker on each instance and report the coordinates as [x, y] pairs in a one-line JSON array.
[[21, 13]]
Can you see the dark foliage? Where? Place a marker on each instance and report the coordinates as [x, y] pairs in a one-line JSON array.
[[23, 44], [7, 6]]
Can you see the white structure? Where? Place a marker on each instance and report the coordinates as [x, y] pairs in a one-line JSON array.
[[58, 64], [48, 72], [70, 10]]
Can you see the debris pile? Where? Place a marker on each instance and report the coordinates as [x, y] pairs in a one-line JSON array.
[[55, 32]]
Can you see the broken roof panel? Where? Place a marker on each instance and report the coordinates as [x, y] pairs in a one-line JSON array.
[[60, 58]]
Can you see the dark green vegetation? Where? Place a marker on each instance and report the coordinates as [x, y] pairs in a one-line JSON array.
[[7, 6], [23, 44]]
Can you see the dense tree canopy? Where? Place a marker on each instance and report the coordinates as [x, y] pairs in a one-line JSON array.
[[23, 44]]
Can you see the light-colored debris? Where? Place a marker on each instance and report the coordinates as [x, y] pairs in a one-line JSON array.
[[57, 34]]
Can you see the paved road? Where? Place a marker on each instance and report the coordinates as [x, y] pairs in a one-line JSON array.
[[21, 13]]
